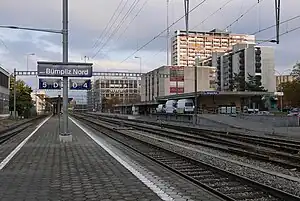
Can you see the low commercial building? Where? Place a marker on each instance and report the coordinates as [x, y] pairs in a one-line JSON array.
[[4, 92], [169, 80], [123, 89]]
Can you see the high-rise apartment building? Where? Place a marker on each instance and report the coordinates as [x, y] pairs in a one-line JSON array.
[[203, 44], [235, 67]]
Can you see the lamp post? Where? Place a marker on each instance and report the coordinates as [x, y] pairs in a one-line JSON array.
[[140, 62], [27, 58]]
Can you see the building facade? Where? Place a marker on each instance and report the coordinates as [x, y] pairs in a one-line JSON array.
[[125, 90], [169, 80], [4, 92], [39, 101], [283, 79], [235, 67], [203, 44]]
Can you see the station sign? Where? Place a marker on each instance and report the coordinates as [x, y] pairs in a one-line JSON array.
[[210, 92], [50, 84], [60, 69], [80, 84]]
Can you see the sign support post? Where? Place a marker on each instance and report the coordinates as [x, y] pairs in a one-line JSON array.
[[65, 136]]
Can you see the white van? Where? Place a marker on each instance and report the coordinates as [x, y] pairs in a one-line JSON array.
[[185, 106], [171, 106]]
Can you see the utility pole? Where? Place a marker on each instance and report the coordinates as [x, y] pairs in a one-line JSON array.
[[65, 79], [186, 12], [277, 15], [197, 61], [168, 33], [15, 94]]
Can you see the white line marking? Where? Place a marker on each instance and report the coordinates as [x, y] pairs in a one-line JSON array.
[[15, 151], [156, 189]]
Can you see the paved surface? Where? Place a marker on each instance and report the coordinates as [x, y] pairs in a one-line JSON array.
[[45, 169]]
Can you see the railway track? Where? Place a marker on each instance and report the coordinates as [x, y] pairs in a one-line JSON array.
[[8, 133], [283, 153], [225, 184]]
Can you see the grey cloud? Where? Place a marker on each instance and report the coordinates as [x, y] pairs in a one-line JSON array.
[[87, 20]]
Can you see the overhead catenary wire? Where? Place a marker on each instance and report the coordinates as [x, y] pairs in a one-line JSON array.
[[132, 7], [282, 22], [243, 14], [112, 24], [104, 30], [163, 31], [136, 15], [212, 14], [282, 34]]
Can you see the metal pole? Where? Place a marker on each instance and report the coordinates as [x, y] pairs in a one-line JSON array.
[[140, 65], [277, 14], [58, 112], [281, 101], [27, 61], [15, 94], [168, 33], [187, 10], [65, 60], [196, 95], [176, 77]]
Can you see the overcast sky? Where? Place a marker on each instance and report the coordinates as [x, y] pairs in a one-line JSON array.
[[88, 19]]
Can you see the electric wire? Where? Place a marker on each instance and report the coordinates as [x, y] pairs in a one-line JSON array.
[[158, 35], [112, 24], [212, 14], [243, 14], [282, 34], [104, 30], [282, 22], [126, 28], [133, 5]]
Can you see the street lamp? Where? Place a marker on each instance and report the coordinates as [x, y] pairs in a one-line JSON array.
[[140, 62], [27, 57]]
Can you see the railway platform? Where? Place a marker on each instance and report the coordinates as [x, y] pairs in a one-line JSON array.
[[43, 168]]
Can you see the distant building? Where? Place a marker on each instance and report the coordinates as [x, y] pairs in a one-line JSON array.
[[126, 90], [169, 80], [244, 60], [283, 79], [204, 44], [4, 92], [39, 101]]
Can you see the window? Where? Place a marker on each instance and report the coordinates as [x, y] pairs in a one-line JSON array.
[[4, 80]]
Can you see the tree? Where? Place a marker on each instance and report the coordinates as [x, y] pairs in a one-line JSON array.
[[291, 91], [254, 83], [24, 101], [296, 71], [239, 82]]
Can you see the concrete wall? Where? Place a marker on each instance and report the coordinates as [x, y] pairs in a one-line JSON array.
[[276, 121]]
